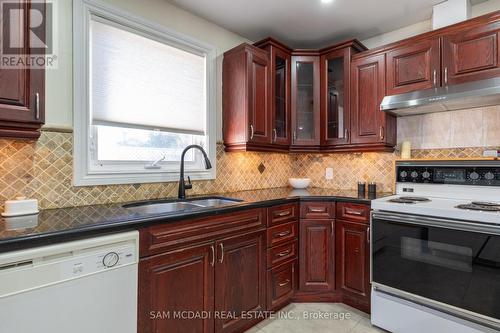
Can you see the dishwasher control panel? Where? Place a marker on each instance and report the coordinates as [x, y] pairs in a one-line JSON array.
[[99, 261]]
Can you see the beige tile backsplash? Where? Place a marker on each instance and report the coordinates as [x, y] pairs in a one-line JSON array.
[[453, 129], [43, 169]]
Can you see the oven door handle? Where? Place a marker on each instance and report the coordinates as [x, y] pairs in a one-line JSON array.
[[484, 228]]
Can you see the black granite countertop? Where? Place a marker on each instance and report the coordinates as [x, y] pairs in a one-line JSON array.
[[56, 225]]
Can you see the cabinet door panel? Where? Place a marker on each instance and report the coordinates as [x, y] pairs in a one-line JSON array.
[[176, 281], [414, 67], [240, 275], [259, 108], [335, 111], [472, 54], [281, 116], [353, 258], [21, 111], [305, 101], [368, 89], [316, 255]]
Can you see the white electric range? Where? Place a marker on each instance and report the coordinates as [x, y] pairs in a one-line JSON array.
[[435, 249]]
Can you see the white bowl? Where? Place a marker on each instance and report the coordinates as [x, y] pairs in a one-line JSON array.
[[299, 182]]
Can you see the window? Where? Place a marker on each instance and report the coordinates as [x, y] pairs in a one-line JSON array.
[[142, 94]]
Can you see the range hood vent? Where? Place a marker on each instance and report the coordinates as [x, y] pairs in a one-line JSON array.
[[456, 97]]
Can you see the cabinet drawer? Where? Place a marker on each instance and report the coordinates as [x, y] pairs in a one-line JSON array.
[[281, 284], [164, 237], [282, 214], [317, 210], [353, 212], [282, 233], [279, 254]]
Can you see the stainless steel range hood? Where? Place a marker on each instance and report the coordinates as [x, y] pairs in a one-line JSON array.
[[455, 97]]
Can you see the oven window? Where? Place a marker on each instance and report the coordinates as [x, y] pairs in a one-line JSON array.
[[458, 268]]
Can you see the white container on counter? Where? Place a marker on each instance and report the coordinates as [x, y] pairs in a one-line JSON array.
[[20, 206]]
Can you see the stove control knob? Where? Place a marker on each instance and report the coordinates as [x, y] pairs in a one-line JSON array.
[[426, 174], [474, 175], [489, 175], [414, 174], [403, 174]]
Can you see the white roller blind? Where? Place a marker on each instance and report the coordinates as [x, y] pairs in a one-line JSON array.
[[139, 82]]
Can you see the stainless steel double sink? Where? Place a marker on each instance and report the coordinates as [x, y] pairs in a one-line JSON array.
[[178, 206]]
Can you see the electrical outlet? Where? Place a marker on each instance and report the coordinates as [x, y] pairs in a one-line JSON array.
[[329, 173]]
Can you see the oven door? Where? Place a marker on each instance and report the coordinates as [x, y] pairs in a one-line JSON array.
[[453, 266]]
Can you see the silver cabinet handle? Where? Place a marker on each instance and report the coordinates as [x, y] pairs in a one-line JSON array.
[[275, 134], [284, 283], [316, 210], [353, 212], [435, 77], [446, 75], [284, 213], [333, 228], [222, 253], [294, 136], [346, 134], [284, 253], [368, 235], [251, 132], [37, 106], [212, 249], [283, 234], [382, 135]]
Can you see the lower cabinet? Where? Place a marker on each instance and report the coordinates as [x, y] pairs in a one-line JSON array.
[[203, 288], [353, 263], [317, 262], [240, 274], [281, 284], [173, 284]]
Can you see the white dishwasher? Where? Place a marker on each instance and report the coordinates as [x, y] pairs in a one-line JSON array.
[[84, 286]]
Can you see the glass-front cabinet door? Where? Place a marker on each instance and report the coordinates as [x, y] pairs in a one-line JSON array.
[[335, 125], [305, 101], [281, 96]]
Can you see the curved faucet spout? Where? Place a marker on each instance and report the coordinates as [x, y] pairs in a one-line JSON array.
[[182, 183]]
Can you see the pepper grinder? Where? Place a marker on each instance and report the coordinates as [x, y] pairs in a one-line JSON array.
[[372, 188], [361, 189]]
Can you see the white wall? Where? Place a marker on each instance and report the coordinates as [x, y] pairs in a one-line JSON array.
[[59, 97], [424, 26]]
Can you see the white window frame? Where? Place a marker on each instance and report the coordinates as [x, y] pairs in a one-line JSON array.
[[84, 174]]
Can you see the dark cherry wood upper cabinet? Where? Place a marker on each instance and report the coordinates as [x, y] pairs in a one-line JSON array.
[[240, 275], [280, 76], [305, 103], [414, 67], [22, 91], [471, 54], [316, 259], [335, 64], [353, 259], [246, 102], [371, 128], [181, 280]]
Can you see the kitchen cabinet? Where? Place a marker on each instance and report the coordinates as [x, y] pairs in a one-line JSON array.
[[371, 128], [471, 53], [22, 90], [414, 67], [316, 248], [305, 103], [280, 90], [353, 263], [173, 282], [206, 264], [335, 65], [240, 275], [282, 253], [246, 99]]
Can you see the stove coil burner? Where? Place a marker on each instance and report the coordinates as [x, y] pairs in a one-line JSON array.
[[481, 206], [409, 200]]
